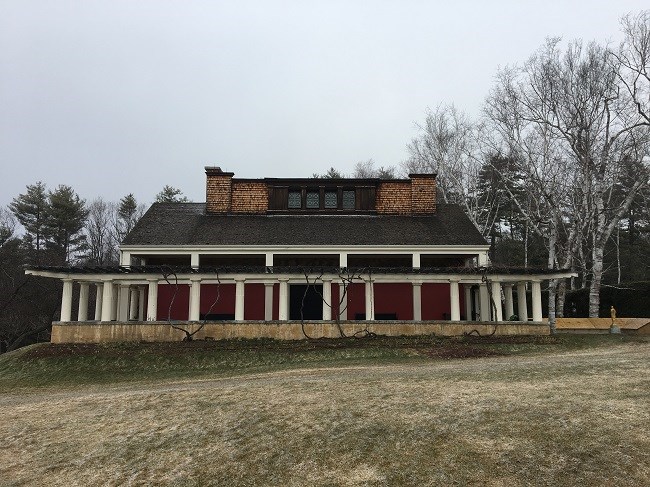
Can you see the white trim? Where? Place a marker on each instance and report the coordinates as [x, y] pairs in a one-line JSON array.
[[140, 279], [304, 249]]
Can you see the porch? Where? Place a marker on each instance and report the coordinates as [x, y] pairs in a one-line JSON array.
[[255, 301]]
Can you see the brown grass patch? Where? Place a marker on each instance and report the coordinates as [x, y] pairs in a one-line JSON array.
[[570, 418]]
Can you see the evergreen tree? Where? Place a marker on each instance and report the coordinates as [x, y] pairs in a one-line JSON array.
[[29, 209], [169, 194], [65, 217], [128, 213]]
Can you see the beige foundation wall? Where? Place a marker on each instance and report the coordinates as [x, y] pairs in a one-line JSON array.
[[89, 332]]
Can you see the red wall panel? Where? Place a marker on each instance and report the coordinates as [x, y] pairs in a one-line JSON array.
[[180, 308], [436, 301], [394, 298], [254, 301], [335, 300], [356, 298], [226, 302]]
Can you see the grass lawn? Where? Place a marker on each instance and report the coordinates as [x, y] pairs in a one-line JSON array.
[[566, 410]]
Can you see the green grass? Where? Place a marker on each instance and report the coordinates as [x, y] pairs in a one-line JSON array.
[[566, 410], [50, 365]]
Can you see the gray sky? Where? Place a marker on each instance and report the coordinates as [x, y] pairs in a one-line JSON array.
[[113, 97]]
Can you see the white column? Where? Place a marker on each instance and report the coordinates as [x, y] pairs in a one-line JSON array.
[[468, 302], [507, 292], [66, 301], [327, 299], [123, 303], [496, 296], [522, 308], [82, 314], [194, 312], [536, 289], [194, 260], [417, 300], [343, 260], [133, 303], [343, 302], [455, 300], [99, 300], [125, 258], [107, 301], [484, 297], [114, 303], [416, 261], [476, 293], [268, 301], [239, 299], [140, 303], [152, 300], [482, 259], [283, 308], [370, 302], [268, 259]]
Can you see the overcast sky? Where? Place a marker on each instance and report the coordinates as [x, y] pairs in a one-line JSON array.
[[113, 97]]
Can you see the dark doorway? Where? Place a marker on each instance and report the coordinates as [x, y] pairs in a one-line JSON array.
[[313, 303]]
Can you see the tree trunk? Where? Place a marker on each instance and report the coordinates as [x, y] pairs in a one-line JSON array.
[[552, 287], [561, 298], [596, 277]]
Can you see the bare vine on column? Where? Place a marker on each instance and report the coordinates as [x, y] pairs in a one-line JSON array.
[[168, 272], [347, 278], [493, 306]]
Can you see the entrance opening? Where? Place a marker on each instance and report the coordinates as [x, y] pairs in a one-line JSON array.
[[312, 309]]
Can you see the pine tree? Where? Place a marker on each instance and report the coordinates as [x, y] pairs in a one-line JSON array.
[[29, 209], [169, 194], [65, 217], [128, 214]]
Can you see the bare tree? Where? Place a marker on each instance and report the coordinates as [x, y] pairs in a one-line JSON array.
[[575, 94], [368, 169], [7, 225], [449, 144], [102, 246], [633, 57]]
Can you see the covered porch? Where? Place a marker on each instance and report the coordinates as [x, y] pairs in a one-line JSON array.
[[403, 295]]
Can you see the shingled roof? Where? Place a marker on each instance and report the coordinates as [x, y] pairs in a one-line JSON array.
[[188, 224]]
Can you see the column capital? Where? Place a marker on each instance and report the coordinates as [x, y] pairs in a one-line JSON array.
[[195, 279], [416, 283]]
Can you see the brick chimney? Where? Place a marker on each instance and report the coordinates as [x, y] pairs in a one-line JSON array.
[[218, 190], [423, 194]]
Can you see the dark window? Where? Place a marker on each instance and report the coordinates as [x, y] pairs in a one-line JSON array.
[[295, 200], [348, 200], [317, 198], [313, 200], [331, 200]]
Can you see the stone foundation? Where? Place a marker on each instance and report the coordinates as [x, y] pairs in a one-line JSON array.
[[156, 331]]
